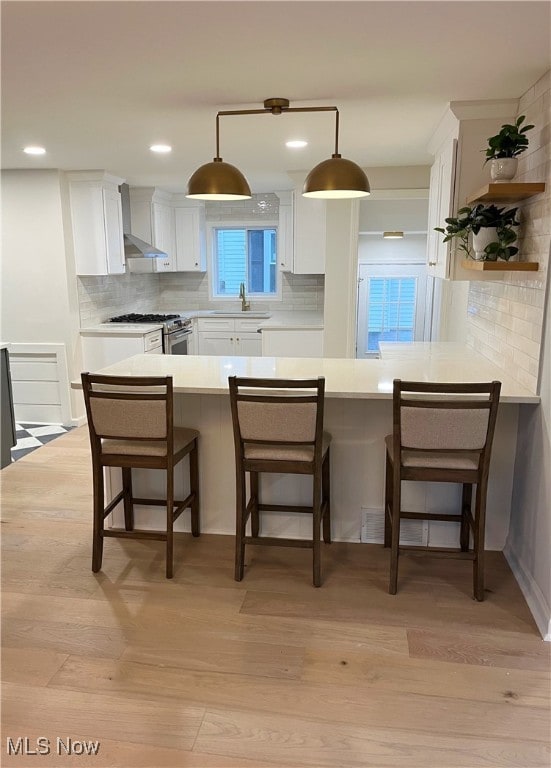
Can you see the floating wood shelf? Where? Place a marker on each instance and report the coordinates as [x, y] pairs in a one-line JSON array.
[[506, 192], [501, 266]]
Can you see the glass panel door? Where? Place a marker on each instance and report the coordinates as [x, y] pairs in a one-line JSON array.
[[391, 300]]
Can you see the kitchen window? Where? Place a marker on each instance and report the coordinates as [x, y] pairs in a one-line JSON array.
[[244, 255]]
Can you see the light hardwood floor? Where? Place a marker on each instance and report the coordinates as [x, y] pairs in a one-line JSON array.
[[206, 672]]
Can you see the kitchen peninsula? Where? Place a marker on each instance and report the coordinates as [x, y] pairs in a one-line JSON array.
[[358, 414]]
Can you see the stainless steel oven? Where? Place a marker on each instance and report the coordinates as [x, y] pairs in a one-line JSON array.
[[176, 342], [177, 330]]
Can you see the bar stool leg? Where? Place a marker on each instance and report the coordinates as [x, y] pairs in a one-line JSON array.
[[169, 521], [480, 523], [240, 526], [395, 539], [326, 497], [255, 515], [466, 507], [316, 533], [97, 544], [388, 501], [194, 489], [127, 501]]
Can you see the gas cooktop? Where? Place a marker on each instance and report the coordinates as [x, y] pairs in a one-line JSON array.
[[137, 318]]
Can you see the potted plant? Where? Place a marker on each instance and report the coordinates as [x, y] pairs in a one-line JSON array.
[[490, 228], [504, 148]]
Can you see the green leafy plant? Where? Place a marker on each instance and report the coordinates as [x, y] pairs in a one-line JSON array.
[[511, 141], [472, 220]]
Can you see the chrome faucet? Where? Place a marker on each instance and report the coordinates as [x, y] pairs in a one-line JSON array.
[[245, 305]]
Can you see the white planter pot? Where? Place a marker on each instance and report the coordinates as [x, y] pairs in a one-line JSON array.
[[485, 236], [503, 168]]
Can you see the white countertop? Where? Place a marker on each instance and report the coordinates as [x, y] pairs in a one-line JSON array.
[[344, 378], [120, 329], [306, 320]]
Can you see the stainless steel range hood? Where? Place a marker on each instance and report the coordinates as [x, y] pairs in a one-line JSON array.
[[135, 247]]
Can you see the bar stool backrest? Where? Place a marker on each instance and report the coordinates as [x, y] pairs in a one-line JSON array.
[[129, 407], [445, 417], [272, 411]]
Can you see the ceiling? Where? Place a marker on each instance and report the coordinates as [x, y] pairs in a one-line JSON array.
[[97, 83]]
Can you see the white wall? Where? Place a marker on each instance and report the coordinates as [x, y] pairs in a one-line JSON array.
[[528, 545], [39, 291]]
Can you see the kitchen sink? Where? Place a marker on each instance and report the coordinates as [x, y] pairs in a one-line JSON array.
[[248, 313]]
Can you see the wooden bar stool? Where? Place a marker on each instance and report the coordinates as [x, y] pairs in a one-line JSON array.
[[278, 428], [130, 419], [441, 433]]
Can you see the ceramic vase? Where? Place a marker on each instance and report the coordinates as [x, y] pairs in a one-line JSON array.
[[503, 168]]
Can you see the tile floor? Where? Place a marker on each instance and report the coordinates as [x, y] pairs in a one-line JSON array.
[[32, 436]]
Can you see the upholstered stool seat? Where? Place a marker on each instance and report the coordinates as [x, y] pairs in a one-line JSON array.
[[442, 433], [130, 419], [278, 428]]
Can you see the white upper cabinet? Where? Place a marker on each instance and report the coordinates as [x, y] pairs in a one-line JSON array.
[[458, 170], [309, 224], [96, 217], [285, 246], [442, 178], [191, 250]]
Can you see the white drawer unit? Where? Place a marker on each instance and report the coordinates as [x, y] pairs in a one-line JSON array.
[[229, 336], [102, 349]]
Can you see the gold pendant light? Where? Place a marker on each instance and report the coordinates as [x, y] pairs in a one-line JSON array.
[[336, 178]]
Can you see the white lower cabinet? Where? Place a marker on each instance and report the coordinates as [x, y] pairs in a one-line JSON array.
[[100, 350], [292, 343], [229, 336]]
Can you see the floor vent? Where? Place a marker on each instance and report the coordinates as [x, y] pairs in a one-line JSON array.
[[413, 533]]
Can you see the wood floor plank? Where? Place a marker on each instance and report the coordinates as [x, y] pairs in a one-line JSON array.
[[295, 742], [496, 649], [64, 637], [113, 754], [29, 665], [405, 675], [88, 716]]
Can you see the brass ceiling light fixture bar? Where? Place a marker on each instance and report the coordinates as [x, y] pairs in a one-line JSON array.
[[336, 178]]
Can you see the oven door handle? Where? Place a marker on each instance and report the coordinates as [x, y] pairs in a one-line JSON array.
[[178, 335]]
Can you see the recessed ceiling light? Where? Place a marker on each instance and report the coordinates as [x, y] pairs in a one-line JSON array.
[[34, 151], [160, 148], [296, 144]]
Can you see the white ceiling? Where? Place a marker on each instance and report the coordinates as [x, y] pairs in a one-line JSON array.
[[97, 82]]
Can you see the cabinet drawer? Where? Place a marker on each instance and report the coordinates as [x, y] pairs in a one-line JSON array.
[[153, 340], [216, 324], [244, 326]]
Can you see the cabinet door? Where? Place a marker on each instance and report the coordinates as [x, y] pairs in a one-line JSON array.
[[212, 343], [248, 344], [444, 184], [285, 255], [164, 234], [114, 243], [309, 235], [191, 253], [432, 236]]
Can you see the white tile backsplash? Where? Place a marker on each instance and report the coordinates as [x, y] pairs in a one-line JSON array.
[[505, 317]]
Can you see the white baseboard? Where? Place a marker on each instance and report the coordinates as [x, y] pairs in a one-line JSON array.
[[78, 421], [533, 595]]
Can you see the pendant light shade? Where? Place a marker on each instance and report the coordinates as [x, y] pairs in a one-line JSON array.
[[336, 179], [218, 181]]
